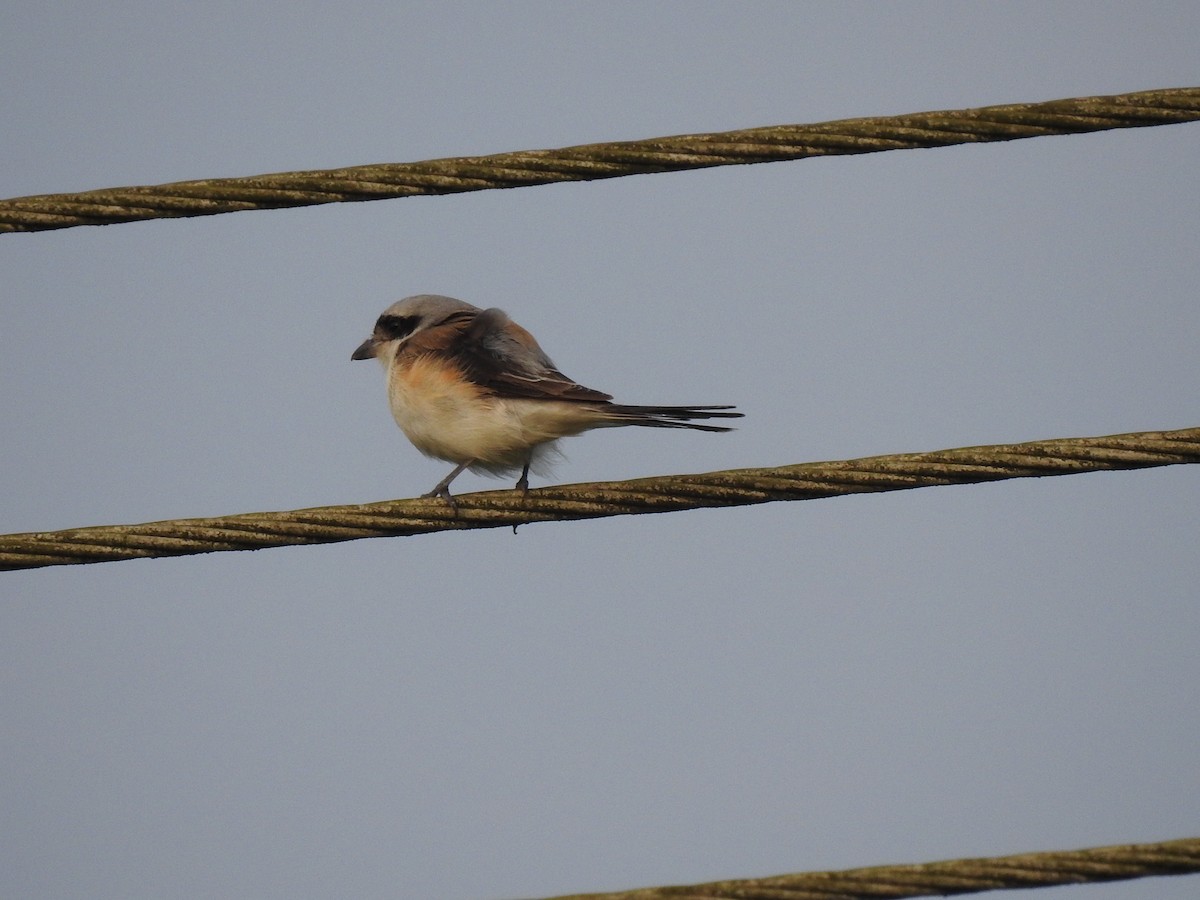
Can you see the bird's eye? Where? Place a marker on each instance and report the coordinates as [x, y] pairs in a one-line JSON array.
[[393, 328]]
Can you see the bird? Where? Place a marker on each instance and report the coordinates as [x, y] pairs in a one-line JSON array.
[[472, 387]]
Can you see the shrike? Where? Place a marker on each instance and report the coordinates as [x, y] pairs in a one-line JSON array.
[[473, 387]]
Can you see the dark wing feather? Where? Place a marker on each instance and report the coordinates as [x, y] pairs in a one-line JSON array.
[[502, 357]]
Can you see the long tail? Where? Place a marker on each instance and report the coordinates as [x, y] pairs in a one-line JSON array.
[[670, 416]]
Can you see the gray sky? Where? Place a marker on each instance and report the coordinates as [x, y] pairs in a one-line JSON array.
[[599, 705]]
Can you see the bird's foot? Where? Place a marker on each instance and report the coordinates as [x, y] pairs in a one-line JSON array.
[[523, 482], [443, 491], [442, 488]]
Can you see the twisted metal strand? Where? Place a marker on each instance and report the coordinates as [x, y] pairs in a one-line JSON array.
[[939, 879], [609, 160], [493, 509]]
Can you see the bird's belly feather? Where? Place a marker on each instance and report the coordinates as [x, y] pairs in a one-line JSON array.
[[450, 418]]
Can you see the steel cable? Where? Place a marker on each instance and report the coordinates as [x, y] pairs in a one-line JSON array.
[[594, 161], [493, 509]]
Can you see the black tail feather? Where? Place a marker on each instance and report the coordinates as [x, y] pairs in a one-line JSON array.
[[672, 416]]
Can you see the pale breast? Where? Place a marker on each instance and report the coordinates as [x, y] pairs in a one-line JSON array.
[[448, 417]]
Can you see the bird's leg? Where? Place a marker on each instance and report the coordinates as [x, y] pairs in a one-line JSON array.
[[523, 482], [442, 489]]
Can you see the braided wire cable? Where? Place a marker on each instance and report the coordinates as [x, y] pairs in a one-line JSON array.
[[940, 879], [608, 160], [493, 509]]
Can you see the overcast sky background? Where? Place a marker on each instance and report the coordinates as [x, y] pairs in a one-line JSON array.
[[637, 701]]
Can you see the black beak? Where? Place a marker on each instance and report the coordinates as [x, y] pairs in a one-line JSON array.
[[366, 350]]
